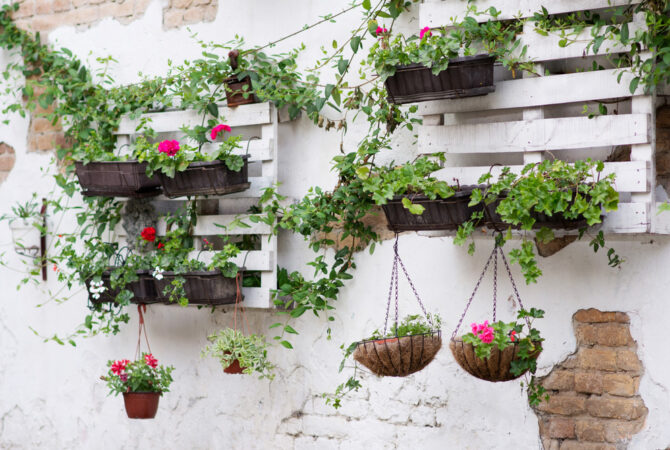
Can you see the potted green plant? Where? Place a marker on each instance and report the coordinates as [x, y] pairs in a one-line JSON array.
[[142, 383], [408, 347], [431, 66], [25, 224], [102, 173], [238, 87], [501, 351], [239, 353], [184, 170]]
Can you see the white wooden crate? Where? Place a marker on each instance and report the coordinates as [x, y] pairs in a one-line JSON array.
[[479, 125], [261, 151]]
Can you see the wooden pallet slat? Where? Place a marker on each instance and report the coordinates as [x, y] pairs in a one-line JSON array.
[[536, 135], [540, 91]]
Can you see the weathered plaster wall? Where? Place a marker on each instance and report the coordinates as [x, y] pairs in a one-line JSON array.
[[50, 396]]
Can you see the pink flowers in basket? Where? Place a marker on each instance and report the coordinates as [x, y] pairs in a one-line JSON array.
[[169, 147], [483, 331]]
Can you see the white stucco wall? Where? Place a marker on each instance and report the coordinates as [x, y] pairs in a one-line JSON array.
[[50, 395]]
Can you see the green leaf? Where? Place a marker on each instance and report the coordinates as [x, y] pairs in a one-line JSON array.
[[329, 90], [355, 43], [290, 329], [366, 5], [286, 344], [342, 65], [624, 33], [633, 84], [213, 109]]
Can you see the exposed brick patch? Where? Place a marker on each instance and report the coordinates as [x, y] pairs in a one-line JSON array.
[[663, 147], [375, 219], [46, 15], [7, 160], [595, 402]]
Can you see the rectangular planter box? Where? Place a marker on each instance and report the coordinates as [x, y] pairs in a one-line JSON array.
[[555, 222], [116, 179], [144, 290], [202, 287], [439, 214], [108, 296], [467, 76], [206, 178]]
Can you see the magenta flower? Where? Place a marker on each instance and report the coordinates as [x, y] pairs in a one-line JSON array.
[[487, 336], [425, 31], [124, 377], [380, 30], [150, 360], [217, 129], [483, 331], [119, 366], [170, 147]]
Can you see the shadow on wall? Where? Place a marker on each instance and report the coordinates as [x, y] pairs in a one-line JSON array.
[[595, 401]]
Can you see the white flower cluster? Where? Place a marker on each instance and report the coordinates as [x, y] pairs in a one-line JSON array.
[[158, 273], [96, 288]]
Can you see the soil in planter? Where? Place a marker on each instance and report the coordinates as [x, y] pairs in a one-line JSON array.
[[207, 178], [495, 368], [116, 179], [398, 357], [202, 288], [466, 76], [438, 214], [141, 405]]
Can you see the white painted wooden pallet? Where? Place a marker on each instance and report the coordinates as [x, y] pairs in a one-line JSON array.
[[262, 151], [513, 119]]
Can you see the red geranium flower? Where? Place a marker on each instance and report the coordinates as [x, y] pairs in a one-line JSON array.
[[119, 366], [217, 129], [149, 234], [160, 246], [169, 147], [151, 361], [512, 335]]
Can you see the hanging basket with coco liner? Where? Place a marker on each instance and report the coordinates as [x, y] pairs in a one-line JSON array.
[[497, 352], [399, 353]]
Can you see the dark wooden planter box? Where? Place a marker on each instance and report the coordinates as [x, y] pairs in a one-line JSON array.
[[235, 92], [144, 290], [202, 287], [439, 214], [555, 222], [207, 178], [468, 76], [109, 295], [116, 179]]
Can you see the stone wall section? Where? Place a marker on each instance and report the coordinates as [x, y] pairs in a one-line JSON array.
[[595, 402], [46, 15]]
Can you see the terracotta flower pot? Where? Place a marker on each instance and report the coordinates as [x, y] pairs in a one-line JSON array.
[[496, 367], [398, 357], [234, 368], [141, 405]]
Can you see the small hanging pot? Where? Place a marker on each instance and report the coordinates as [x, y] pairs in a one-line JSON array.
[[236, 87], [141, 405], [400, 356], [234, 368]]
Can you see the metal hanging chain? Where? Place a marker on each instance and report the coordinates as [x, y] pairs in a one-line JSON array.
[[467, 306], [416, 294], [516, 291], [394, 274]]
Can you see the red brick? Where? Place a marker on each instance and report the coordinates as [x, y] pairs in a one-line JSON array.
[[619, 384], [194, 15], [559, 380], [589, 382], [597, 358], [172, 18], [616, 407], [4, 148], [628, 360], [607, 334], [7, 162], [616, 431], [62, 5], [26, 9], [40, 125], [557, 427], [590, 430], [593, 315], [565, 404], [43, 7]]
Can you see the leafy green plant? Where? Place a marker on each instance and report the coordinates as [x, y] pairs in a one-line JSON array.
[[411, 325], [250, 351], [484, 338], [142, 375]]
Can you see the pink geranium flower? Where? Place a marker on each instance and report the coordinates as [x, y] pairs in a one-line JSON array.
[[150, 360], [483, 331], [380, 30], [217, 129], [119, 366], [170, 147], [425, 31]]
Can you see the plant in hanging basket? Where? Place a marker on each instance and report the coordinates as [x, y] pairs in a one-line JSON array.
[[25, 224], [239, 353], [184, 170], [407, 348], [141, 382], [501, 351], [238, 87]]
